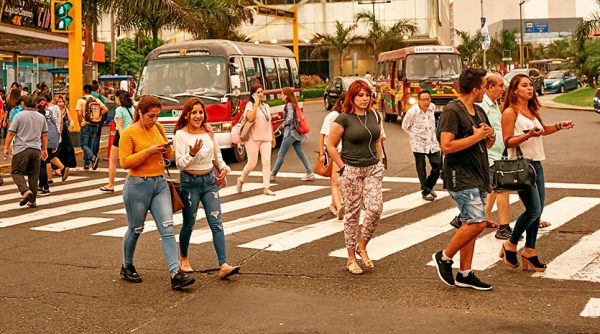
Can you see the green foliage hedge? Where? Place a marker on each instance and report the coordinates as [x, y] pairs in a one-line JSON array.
[[312, 93]]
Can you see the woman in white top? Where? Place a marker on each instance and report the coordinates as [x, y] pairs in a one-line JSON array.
[[522, 126], [195, 153], [336, 207], [261, 139]]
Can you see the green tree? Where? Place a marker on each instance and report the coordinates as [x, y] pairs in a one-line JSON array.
[[235, 13], [470, 48], [587, 26], [131, 54], [386, 38], [503, 45], [339, 41]]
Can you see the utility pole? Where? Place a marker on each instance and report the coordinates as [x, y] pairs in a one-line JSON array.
[[521, 2], [484, 49], [113, 43]]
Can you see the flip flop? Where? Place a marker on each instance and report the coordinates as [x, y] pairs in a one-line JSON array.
[[104, 188]]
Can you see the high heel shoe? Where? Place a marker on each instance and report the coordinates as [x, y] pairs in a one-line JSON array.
[[363, 254], [509, 257], [353, 267], [534, 263]]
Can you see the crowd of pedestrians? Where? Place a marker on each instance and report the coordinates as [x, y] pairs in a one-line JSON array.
[[472, 134]]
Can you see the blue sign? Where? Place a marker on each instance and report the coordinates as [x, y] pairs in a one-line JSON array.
[[536, 27]]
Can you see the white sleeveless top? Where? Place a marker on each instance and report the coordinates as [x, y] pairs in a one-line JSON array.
[[533, 148]]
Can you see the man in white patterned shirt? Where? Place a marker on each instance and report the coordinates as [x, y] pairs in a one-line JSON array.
[[419, 123]]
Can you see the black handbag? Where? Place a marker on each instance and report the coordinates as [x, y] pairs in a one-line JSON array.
[[513, 175]]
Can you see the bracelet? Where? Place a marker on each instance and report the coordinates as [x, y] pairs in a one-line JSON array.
[[557, 127]]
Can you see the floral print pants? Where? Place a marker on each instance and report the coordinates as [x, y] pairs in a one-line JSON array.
[[361, 185]]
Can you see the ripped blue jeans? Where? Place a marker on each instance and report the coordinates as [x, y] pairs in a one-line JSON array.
[[141, 194], [196, 189]]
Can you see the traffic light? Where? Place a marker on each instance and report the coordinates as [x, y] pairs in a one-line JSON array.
[[61, 21]]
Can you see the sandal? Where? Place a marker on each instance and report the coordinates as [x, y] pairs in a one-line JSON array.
[[268, 192], [353, 267], [363, 254], [491, 224], [64, 173], [544, 224], [107, 189]]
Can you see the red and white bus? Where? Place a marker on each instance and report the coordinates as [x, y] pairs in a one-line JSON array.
[[221, 73], [403, 73]]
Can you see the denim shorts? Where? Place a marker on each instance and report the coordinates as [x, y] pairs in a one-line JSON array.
[[471, 203]]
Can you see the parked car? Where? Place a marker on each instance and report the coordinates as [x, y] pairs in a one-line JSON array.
[[560, 82], [338, 85], [597, 101], [533, 73]]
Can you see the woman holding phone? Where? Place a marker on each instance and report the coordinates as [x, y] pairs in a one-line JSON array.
[[143, 148], [522, 126], [261, 139], [195, 152]]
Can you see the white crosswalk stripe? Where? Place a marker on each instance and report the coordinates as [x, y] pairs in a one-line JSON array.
[[580, 262], [10, 185], [225, 208]]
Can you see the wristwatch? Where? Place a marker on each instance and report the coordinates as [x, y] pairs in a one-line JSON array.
[[341, 170], [493, 135]]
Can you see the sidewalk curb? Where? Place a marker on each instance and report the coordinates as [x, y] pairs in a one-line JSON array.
[[568, 107], [5, 168]]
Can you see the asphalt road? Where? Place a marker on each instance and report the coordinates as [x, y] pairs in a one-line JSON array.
[[64, 279]]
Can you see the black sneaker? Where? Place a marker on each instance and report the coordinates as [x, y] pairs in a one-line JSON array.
[[444, 268], [456, 222], [95, 162], [44, 192], [433, 193], [181, 280], [129, 274], [471, 281], [86, 166], [504, 232], [26, 198]]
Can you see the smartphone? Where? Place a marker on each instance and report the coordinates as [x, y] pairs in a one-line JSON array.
[[526, 131]]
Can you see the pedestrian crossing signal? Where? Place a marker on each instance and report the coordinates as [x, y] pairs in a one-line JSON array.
[[61, 21]]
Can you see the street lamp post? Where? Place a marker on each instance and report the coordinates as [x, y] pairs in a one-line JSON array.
[[373, 2], [521, 3]]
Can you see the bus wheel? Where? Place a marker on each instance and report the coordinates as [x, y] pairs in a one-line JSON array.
[[235, 154]]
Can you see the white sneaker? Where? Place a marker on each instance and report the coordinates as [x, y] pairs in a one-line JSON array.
[[309, 177]]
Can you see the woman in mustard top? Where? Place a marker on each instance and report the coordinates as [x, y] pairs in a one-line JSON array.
[[143, 147]]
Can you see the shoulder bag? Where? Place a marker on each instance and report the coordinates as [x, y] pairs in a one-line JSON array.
[[513, 175], [174, 186], [324, 167]]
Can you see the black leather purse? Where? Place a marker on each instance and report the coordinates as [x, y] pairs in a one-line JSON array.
[[513, 175]]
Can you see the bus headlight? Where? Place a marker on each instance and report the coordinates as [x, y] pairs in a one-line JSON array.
[[226, 127], [412, 100]]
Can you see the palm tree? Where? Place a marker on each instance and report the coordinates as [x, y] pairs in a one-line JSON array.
[[339, 42], [153, 15], [235, 13], [503, 43], [386, 38], [470, 48], [590, 24]]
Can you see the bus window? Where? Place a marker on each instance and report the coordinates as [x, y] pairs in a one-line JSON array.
[[283, 66], [253, 71], [400, 68], [295, 75], [386, 71], [272, 80], [242, 74]]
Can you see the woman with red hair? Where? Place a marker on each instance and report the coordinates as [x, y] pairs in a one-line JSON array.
[[360, 130]]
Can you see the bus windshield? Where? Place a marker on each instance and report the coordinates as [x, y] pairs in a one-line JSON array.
[[433, 66], [185, 75], [555, 75]]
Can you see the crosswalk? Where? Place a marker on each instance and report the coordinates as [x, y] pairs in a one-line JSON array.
[[247, 212]]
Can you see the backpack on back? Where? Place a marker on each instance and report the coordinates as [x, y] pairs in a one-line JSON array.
[[92, 113]]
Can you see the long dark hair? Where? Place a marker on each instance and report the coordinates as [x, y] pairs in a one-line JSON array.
[[146, 103], [183, 120], [511, 96], [13, 97], [124, 98], [340, 101], [41, 104]]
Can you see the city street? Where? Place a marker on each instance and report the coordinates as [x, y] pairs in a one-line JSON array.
[[60, 262]]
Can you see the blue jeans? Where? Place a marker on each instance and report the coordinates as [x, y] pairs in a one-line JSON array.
[[196, 189], [141, 194], [533, 199], [88, 143], [285, 146], [471, 203]]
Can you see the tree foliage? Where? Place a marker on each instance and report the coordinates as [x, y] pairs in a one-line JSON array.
[[386, 38], [338, 41], [130, 56], [470, 48]]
